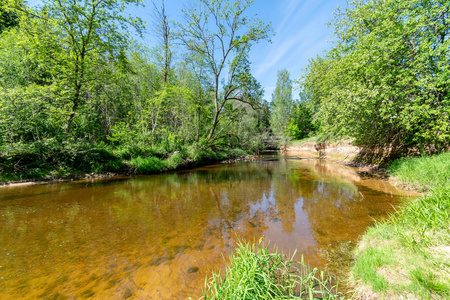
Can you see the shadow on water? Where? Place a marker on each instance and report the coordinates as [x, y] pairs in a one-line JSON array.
[[158, 236]]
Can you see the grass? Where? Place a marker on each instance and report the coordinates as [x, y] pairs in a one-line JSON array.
[[256, 273], [191, 156], [408, 254], [423, 173], [366, 267], [149, 165]]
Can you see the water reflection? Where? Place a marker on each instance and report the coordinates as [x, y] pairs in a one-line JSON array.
[[156, 237]]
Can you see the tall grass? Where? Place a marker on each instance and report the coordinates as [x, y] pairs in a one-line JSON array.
[[413, 244], [425, 221], [149, 165], [255, 273], [423, 173], [191, 156]]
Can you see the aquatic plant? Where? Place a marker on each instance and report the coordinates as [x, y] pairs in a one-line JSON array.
[[254, 272]]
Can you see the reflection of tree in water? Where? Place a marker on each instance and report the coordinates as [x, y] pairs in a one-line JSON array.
[[338, 211], [285, 199], [145, 222], [170, 220]]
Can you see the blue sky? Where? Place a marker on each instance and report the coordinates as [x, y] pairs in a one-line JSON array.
[[300, 26], [301, 34]]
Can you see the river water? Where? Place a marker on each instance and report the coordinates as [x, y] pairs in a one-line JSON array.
[[157, 237]]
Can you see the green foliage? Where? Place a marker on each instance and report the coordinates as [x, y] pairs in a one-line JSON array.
[[281, 104], [175, 160], [256, 273], [386, 79], [129, 151], [431, 282], [44, 158], [8, 18], [420, 220], [200, 151], [77, 95], [300, 124], [221, 26], [415, 237]]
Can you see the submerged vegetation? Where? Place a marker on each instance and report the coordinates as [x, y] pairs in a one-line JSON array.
[[409, 253], [255, 273]]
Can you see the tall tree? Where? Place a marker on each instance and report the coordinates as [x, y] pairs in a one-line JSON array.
[[386, 79], [281, 103], [222, 35], [165, 35], [8, 18], [80, 36]]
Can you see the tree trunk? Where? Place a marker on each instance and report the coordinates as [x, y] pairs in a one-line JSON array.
[[214, 125], [74, 107], [198, 124]]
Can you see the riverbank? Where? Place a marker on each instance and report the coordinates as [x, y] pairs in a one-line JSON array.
[[341, 152], [407, 256], [104, 162]]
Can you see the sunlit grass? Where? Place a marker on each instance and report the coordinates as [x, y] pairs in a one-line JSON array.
[[256, 273], [412, 246], [423, 173]]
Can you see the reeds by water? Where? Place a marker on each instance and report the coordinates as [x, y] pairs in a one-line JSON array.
[[255, 273]]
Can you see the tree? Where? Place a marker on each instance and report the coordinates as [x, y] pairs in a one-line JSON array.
[[165, 35], [80, 36], [281, 104], [220, 33], [386, 79]]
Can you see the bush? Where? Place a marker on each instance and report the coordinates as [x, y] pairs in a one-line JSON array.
[[200, 152], [129, 151]]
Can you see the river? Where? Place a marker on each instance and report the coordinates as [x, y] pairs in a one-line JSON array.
[[157, 237]]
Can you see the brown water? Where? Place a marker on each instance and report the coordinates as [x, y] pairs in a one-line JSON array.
[[157, 237]]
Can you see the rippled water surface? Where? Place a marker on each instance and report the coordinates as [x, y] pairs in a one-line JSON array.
[[157, 237]]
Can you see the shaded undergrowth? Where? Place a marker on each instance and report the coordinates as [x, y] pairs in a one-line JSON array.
[[50, 159]]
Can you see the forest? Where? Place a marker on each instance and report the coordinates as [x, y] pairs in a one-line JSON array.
[[81, 93]]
